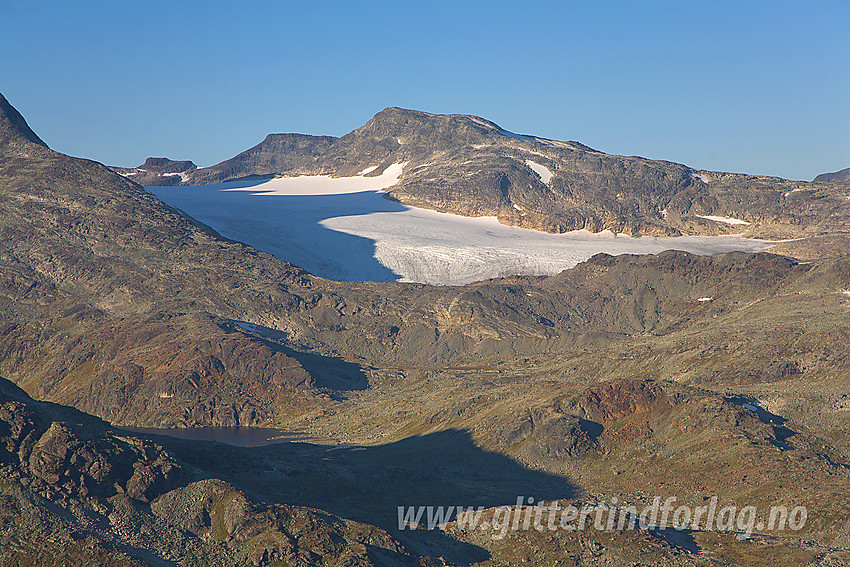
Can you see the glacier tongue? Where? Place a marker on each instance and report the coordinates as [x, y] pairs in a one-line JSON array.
[[342, 228]]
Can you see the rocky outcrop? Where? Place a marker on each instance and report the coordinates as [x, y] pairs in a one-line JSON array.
[[67, 478], [61, 453], [611, 401], [159, 171]]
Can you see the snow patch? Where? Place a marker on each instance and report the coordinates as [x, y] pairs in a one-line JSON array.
[[322, 184], [510, 134], [704, 299], [540, 170], [481, 122], [517, 207], [248, 326], [727, 220], [183, 176], [750, 407], [702, 177], [368, 170], [664, 213]]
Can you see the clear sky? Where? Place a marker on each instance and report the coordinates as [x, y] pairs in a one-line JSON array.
[[745, 86]]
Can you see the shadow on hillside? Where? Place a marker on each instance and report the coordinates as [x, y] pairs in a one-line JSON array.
[[369, 483], [289, 226], [683, 539], [332, 373]]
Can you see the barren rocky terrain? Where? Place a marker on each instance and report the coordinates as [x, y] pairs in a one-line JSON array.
[[628, 376]]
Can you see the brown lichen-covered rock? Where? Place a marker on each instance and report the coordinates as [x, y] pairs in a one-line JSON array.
[[617, 399]]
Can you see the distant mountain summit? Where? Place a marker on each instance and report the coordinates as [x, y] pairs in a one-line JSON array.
[[842, 176], [275, 154], [159, 171], [14, 130], [165, 165]]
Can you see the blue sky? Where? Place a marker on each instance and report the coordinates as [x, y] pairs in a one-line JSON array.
[[755, 87]]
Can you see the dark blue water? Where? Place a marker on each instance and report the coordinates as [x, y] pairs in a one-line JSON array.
[[238, 436]]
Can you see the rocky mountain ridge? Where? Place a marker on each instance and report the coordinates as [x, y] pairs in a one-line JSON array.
[[468, 165], [15, 133], [159, 171]]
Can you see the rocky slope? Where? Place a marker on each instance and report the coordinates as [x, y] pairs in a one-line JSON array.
[[93, 283]]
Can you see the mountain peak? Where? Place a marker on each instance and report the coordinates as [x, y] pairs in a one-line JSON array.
[[395, 113], [407, 124], [165, 165], [399, 111], [13, 128]]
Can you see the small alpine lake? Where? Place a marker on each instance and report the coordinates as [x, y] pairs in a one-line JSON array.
[[237, 436]]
